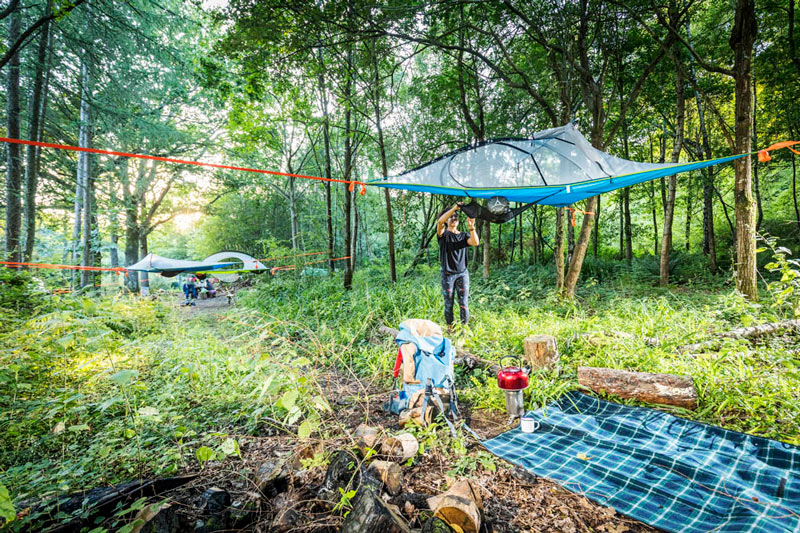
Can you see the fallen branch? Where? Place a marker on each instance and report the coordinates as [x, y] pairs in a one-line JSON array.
[[597, 338], [741, 333], [463, 358], [665, 389]]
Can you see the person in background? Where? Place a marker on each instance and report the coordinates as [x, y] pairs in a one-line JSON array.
[[190, 289], [453, 255]]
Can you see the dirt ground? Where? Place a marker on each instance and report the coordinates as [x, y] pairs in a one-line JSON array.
[[514, 499]]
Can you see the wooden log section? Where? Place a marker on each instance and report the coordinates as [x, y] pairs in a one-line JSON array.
[[460, 507], [400, 448], [666, 389], [541, 351], [390, 473]]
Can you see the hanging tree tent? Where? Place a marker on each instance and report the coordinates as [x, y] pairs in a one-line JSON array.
[[557, 167]]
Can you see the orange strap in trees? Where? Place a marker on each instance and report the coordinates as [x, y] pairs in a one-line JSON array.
[[351, 183], [763, 155], [577, 210]]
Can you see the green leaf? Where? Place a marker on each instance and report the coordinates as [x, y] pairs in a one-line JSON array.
[[148, 411], [204, 454], [124, 377], [306, 429], [230, 447], [288, 399], [7, 511], [302, 361], [81, 427]]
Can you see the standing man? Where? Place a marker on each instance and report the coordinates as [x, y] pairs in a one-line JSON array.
[[453, 259]]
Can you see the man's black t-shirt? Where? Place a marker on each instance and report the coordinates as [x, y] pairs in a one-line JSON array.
[[453, 251]]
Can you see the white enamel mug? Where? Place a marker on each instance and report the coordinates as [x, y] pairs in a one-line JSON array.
[[528, 424]]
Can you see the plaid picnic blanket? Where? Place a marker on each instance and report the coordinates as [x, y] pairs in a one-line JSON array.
[[671, 473]]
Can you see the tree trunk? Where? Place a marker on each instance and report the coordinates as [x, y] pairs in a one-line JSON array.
[[558, 252], [759, 209], [486, 241], [131, 226], [794, 192], [348, 161], [689, 202], [85, 171], [596, 227], [384, 166], [709, 241], [575, 265], [742, 38], [669, 211], [655, 218], [327, 139], [14, 162], [570, 239], [35, 118], [144, 277], [293, 212], [628, 228]]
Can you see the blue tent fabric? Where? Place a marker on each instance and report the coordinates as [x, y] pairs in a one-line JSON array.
[[665, 471], [555, 167]]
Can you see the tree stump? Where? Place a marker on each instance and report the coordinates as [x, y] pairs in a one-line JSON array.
[[541, 351], [460, 507], [666, 389]]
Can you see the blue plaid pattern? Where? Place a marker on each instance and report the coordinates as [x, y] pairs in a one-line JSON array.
[[671, 473]]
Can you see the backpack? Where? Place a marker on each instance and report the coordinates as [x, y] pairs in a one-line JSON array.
[[426, 359]]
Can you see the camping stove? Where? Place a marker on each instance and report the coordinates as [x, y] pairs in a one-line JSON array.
[[512, 380]]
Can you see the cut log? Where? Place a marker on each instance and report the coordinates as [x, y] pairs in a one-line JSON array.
[[407, 415], [463, 358], [390, 474], [666, 389], [741, 333], [417, 500], [371, 515], [400, 448], [541, 351], [344, 472], [460, 507]]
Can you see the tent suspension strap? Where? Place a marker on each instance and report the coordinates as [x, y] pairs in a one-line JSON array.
[[577, 210], [351, 183], [16, 264]]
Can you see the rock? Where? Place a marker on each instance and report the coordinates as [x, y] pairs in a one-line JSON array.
[[272, 477], [367, 437], [244, 510], [215, 501]]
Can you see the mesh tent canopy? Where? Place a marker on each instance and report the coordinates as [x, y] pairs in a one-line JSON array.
[[555, 167], [172, 267]]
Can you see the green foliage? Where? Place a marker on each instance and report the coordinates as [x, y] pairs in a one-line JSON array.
[[785, 291], [19, 293]]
